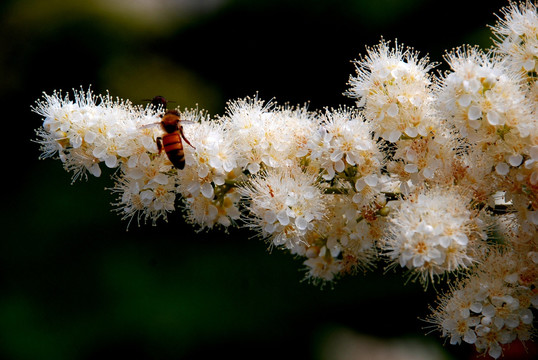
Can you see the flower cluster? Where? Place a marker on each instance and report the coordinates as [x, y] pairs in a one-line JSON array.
[[517, 36], [493, 307], [393, 87], [435, 231], [435, 174], [91, 130], [285, 205], [489, 108]]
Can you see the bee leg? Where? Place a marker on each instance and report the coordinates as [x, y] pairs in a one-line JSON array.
[[184, 138], [159, 142]]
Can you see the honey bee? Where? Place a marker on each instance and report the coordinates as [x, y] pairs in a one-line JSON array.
[[158, 101], [173, 133]]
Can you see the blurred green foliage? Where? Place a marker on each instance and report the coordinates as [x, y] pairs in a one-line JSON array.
[[77, 285]]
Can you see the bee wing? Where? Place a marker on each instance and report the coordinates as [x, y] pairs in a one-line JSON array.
[[147, 126]]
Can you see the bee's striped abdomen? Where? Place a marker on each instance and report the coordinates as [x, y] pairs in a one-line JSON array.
[[174, 149]]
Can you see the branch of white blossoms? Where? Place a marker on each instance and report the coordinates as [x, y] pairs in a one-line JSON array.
[[417, 173]]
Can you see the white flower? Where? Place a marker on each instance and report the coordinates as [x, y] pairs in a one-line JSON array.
[[267, 135], [211, 169], [284, 204], [517, 36], [208, 212], [213, 156], [486, 310], [393, 87], [487, 104], [146, 192], [342, 242], [426, 159], [323, 267], [434, 232], [344, 140], [91, 130]]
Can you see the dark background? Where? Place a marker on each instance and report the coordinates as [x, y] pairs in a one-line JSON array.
[[76, 285]]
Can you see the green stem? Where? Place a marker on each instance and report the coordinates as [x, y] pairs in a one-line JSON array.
[[231, 183]]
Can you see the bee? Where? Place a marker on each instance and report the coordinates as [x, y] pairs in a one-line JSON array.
[[173, 133], [158, 102]]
